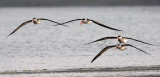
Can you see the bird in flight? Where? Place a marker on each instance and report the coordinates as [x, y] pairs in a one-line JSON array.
[[120, 39], [120, 47], [88, 21], [35, 21]]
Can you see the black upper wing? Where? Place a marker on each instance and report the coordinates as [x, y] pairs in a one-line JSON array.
[[105, 49], [139, 41], [104, 38], [104, 25], [20, 27], [136, 48], [50, 21]]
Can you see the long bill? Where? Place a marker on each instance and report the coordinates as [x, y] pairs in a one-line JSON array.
[[116, 47], [117, 39], [81, 23], [32, 20]]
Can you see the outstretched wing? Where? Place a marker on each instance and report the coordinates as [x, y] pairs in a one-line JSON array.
[[50, 21], [70, 21], [104, 25], [105, 49], [19, 27], [104, 38], [139, 41], [136, 48]]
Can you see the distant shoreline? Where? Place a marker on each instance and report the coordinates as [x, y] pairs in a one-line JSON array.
[[81, 70], [40, 3]]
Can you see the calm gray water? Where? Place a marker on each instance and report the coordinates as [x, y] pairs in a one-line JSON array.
[[43, 46]]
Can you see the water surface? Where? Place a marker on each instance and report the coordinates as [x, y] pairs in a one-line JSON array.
[[43, 46]]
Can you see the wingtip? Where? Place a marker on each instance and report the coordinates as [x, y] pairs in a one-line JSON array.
[[7, 36], [61, 24], [120, 30], [149, 54], [87, 43], [91, 42], [156, 45], [55, 25], [153, 44], [65, 25], [92, 61], [117, 30]]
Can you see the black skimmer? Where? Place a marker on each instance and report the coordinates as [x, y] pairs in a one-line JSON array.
[[35, 21], [120, 47], [87, 21], [120, 39]]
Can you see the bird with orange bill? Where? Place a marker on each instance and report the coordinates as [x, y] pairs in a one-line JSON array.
[[88, 21], [35, 21], [120, 39], [118, 46]]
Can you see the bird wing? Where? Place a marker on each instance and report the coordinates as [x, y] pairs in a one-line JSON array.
[[50, 21], [136, 48], [105, 49], [104, 25], [104, 38], [70, 21], [20, 27], [139, 41]]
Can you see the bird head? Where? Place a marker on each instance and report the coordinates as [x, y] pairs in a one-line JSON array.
[[119, 37], [118, 46], [34, 19], [84, 20]]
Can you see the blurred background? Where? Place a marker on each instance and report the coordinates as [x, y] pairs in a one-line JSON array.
[[43, 47], [24, 3]]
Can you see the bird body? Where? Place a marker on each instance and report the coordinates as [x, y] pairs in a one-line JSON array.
[[35, 21], [88, 21], [120, 47], [121, 39]]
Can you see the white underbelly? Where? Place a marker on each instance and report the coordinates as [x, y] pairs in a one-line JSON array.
[[122, 48], [125, 40], [38, 22], [87, 22]]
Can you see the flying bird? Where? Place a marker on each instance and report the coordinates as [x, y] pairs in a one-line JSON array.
[[35, 21], [120, 39], [88, 21], [120, 47]]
